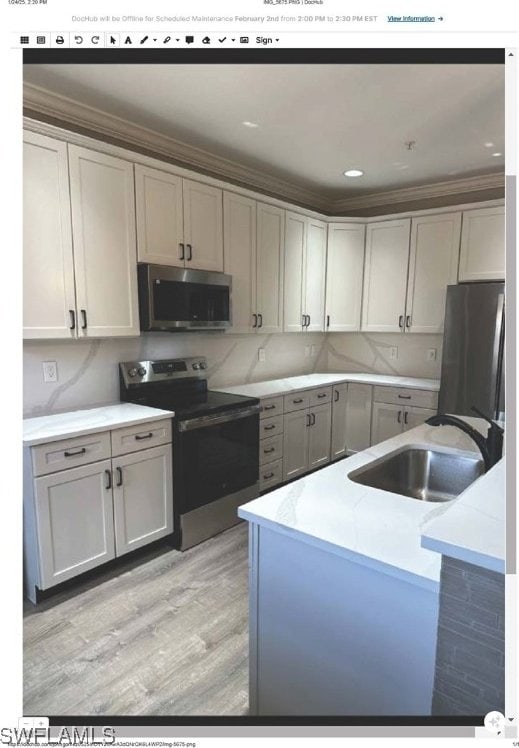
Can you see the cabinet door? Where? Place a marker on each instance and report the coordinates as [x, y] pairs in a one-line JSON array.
[[344, 275], [414, 416], [358, 417], [269, 267], [160, 224], [103, 226], [339, 411], [314, 276], [49, 303], [74, 513], [433, 265], [387, 421], [295, 241], [143, 497], [482, 253], [295, 444], [319, 435], [203, 226], [239, 231], [385, 276]]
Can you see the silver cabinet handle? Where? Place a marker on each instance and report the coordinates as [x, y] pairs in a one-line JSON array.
[[72, 319], [327, 320], [269, 407], [399, 416], [401, 322], [255, 322], [308, 420], [75, 454], [140, 437], [119, 476], [297, 400], [260, 318], [408, 320], [84, 316], [309, 320], [405, 397], [337, 396], [269, 427], [190, 250], [108, 485], [182, 251], [268, 475], [322, 394], [269, 450], [405, 417]]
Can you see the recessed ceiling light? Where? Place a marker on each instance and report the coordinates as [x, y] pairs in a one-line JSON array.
[[489, 145], [497, 154], [354, 173], [249, 124]]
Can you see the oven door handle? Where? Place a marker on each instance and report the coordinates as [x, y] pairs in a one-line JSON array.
[[206, 421]]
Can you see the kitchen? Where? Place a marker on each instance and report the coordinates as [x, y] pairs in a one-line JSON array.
[[326, 304]]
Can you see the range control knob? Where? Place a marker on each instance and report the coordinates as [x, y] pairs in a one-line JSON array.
[[132, 372], [141, 370], [203, 365], [196, 366]]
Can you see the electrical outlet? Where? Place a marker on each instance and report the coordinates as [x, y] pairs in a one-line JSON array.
[[261, 354], [431, 354], [393, 352], [50, 371]]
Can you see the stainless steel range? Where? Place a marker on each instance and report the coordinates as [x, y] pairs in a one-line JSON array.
[[215, 443]]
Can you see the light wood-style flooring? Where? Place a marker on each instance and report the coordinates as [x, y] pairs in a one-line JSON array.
[[164, 635]]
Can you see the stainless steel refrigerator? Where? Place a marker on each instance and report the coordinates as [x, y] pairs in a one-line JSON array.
[[473, 350]]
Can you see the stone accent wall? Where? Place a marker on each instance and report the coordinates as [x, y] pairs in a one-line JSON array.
[[470, 654]]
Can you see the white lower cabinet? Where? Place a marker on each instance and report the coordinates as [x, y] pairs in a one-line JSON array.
[[74, 518], [390, 420], [295, 444], [143, 497], [351, 419], [81, 517], [319, 436]]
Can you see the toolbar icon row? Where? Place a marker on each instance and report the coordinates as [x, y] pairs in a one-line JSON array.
[[120, 39]]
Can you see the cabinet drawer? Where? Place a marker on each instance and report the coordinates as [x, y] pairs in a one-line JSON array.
[[296, 401], [271, 406], [320, 396], [271, 449], [271, 427], [271, 474], [140, 436], [405, 396], [67, 453]]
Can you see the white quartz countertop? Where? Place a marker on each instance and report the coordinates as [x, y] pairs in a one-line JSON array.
[[273, 387], [45, 429], [380, 529], [473, 529]]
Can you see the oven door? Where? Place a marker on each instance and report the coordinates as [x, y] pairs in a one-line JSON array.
[[178, 299], [215, 456]]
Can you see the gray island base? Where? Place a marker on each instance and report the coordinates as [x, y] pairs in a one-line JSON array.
[[330, 636]]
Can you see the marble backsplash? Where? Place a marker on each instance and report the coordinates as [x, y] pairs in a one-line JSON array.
[[88, 373]]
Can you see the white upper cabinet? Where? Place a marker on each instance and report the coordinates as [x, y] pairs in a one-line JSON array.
[[49, 304], [305, 273], [160, 221], [482, 254], [344, 275], [385, 276], [239, 221], [433, 265], [103, 227], [269, 268], [314, 277], [203, 226], [295, 241]]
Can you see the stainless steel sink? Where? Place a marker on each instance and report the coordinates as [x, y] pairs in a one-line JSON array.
[[421, 473]]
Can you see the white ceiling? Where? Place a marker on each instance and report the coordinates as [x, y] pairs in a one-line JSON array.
[[314, 121]]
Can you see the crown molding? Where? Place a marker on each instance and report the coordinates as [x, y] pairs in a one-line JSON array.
[[436, 190], [44, 103], [41, 103]]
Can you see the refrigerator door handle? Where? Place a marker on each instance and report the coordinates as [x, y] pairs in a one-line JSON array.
[[497, 361]]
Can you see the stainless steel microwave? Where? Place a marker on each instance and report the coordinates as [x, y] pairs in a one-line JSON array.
[[176, 299]]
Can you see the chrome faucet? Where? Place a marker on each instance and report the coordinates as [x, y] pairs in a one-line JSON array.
[[491, 446]]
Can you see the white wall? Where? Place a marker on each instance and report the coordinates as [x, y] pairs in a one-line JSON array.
[[88, 373], [356, 351]]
